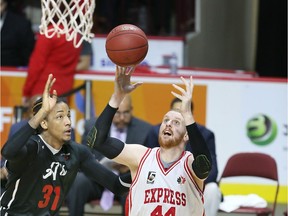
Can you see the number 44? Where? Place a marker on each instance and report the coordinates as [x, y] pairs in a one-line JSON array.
[[158, 211]]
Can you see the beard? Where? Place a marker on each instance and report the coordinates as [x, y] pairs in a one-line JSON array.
[[169, 142]]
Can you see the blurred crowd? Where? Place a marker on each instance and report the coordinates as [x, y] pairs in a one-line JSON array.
[[158, 17]]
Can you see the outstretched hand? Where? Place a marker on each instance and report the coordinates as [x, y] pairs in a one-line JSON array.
[[123, 83], [49, 101], [185, 95]]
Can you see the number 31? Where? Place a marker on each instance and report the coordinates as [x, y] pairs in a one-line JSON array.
[[47, 190]]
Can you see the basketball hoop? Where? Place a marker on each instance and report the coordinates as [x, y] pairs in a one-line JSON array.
[[72, 18]]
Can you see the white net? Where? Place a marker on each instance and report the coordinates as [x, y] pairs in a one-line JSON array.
[[72, 18]]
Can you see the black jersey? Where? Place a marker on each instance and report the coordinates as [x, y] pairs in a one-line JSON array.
[[39, 181]]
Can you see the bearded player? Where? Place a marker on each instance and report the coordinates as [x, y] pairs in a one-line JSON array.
[[167, 180]]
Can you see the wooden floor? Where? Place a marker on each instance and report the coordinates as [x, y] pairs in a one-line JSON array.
[[96, 210]]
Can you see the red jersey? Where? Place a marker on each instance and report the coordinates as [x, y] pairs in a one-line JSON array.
[[51, 55]]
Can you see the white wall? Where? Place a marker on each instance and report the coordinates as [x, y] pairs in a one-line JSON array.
[[227, 35]]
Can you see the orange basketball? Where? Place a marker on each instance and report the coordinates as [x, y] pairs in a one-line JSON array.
[[126, 45]]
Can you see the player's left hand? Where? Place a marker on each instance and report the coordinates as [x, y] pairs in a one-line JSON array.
[[123, 83], [185, 95]]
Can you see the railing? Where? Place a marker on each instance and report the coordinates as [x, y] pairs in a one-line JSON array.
[[19, 111]]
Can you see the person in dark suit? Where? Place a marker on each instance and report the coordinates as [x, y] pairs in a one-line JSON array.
[[212, 194], [17, 37], [126, 127]]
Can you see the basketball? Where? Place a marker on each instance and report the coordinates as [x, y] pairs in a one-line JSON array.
[[126, 45]]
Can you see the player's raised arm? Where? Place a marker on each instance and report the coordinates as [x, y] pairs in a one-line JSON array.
[[202, 162], [15, 146], [98, 135]]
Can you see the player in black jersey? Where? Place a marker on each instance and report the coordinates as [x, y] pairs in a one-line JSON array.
[[42, 161]]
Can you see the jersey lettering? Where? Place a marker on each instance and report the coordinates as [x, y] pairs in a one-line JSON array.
[[160, 192], [52, 171], [166, 195], [48, 190]]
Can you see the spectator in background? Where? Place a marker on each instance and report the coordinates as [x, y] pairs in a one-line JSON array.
[[161, 12], [127, 128], [212, 194], [17, 37], [85, 56], [51, 55]]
